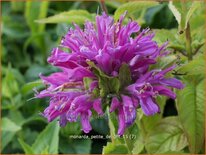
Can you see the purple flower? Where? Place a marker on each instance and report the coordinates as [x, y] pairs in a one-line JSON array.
[[91, 75]]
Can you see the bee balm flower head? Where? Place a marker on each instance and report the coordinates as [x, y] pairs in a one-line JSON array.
[[106, 67]]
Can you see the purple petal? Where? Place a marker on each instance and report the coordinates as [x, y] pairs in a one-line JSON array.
[[172, 82], [86, 126], [130, 115], [114, 104], [165, 91], [55, 78], [148, 106], [97, 106], [121, 120], [63, 120]]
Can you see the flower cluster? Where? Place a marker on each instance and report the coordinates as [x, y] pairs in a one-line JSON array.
[[106, 67]]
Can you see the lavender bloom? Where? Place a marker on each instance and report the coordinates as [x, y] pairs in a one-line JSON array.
[[81, 87]]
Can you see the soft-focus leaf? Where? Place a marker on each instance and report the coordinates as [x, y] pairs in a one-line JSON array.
[[9, 129], [183, 12], [167, 135], [190, 105], [9, 84], [76, 16], [111, 148], [16, 116], [75, 146], [194, 6], [28, 87], [33, 11], [17, 6], [176, 11], [100, 125], [133, 8], [72, 128], [27, 149], [139, 144], [49, 136]]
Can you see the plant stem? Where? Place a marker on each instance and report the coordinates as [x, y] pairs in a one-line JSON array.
[[188, 42], [103, 6], [127, 145]]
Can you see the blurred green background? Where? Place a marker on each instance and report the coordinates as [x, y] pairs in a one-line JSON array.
[[27, 42]]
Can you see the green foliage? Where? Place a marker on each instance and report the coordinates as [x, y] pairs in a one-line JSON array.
[[47, 141], [183, 12], [115, 149], [49, 137], [191, 67], [106, 83], [167, 135], [76, 16], [135, 10], [9, 129], [124, 80], [191, 101], [75, 146], [31, 29]]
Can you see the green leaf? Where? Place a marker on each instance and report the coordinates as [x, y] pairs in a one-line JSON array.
[[111, 148], [75, 146], [134, 9], [33, 11], [190, 105], [138, 146], [27, 149], [16, 116], [9, 129], [176, 11], [194, 67], [167, 135], [76, 16], [30, 86], [194, 6], [17, 6], [183, 12], [106, 83], [100, 125], [124, 76], [10, 86], [72, 128], [148, 123], [48, 137]]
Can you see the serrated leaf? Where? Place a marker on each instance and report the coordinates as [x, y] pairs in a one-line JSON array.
[[133, 8], [76, 16], [111, 148], [27, 149], [190, 105], [167, 135], [48, 137]]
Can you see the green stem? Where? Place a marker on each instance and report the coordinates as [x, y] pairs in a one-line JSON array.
[[127, 145], [103, 6], [188, 42]]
